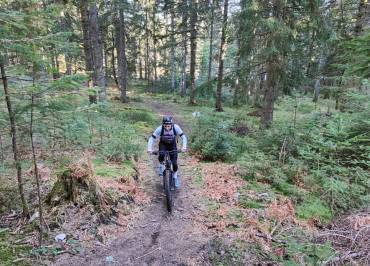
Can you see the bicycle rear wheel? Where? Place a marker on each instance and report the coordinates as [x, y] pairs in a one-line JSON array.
[[167, 189]]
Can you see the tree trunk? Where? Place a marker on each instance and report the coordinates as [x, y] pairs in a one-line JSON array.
[[173, 44], [140, 62], [57, 70], [184, 49], [316, 91], [237, 78], [13, 130], [360, 17], [88, 49], [210, 47], [36, 172], [221, 59], [121, 55], [147, 67], [96, 41], [267, 111], [54, 63], [193, 48], [114, 61], [317, 85], [68, 59]]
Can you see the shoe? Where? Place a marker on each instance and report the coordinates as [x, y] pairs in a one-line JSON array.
[[177, 180], [161, 169]]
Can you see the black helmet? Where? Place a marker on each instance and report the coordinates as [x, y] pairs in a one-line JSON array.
[[167, 120]]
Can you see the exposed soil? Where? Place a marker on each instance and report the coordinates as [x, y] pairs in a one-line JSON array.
[[156, 237]]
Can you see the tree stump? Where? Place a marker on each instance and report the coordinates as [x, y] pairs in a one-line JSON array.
[[76, 183]]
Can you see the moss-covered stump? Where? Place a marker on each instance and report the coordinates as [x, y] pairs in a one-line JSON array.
[[76, 183]]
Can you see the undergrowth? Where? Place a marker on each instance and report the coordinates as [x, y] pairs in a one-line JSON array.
[[319, 160]]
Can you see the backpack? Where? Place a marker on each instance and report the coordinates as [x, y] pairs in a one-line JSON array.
[[168, 139]]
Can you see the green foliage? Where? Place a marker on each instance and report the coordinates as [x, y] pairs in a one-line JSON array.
[[9, 251], [247, 202], [312, 254], [123, 145], [314, 208], [355, 56], [324, 155], [220, 253], [212, 141]]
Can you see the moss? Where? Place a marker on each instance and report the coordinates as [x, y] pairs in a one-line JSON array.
[[10, 252]]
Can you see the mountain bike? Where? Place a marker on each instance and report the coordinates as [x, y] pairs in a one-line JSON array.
[[168, 179]]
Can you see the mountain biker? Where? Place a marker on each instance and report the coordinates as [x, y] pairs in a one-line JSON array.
[[167, 134]]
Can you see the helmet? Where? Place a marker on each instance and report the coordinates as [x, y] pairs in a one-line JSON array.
[[167, 120]]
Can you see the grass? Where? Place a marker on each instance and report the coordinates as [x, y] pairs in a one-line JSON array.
[[248, 203], [197, 178], [314, 208], [10, 252], [112, 170]]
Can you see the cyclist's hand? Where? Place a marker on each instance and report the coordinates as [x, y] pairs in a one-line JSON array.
[[184, 150], [150, 152]]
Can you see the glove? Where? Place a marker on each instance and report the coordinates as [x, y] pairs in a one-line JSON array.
[[150, 152], [183, 150]]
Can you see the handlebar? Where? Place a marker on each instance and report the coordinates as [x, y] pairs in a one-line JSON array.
[[164, 152]]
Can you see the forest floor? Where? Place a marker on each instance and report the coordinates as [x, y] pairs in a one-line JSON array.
[[219, 218]]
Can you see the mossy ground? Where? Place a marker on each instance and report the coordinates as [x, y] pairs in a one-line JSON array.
[[11, 253]]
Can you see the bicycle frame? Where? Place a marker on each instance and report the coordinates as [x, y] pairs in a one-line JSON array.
[[167, 160], [168, 180]]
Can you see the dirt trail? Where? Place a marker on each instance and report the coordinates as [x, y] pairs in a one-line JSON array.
[[155, 237]]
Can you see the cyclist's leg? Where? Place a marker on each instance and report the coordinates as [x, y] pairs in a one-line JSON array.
[[162, 147], [173, 157]]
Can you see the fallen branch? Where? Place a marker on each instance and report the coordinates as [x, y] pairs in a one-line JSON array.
[[158, 248], [347, 257]]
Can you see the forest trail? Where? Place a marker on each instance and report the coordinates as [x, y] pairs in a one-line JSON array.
[[154, 237]]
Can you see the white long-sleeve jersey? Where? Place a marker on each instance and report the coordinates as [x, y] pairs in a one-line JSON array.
[[157, 133]]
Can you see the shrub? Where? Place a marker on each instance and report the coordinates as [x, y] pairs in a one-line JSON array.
[[314, 208], [123, 145], [212, 141]]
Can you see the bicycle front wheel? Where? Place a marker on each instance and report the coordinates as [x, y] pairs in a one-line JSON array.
[[167, 189]]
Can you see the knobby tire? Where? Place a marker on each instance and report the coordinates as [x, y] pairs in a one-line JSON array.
[[167, 189]]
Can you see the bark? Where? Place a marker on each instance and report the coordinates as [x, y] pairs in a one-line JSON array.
[[173, 44], [2, 158], [317, 85], [54, 63], [96, 41], [68, 59], [13, 130], [121, 55], [210, 46], [363, 8], [89, 64], [140, 62], [36, 172], [114, 61], [221, 59], [273, 63], [57, 70], [267, 111], [147, 67], [155, 43], [193, 48], [184, 49], [66, 25], [237, 79], [316, 91]]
